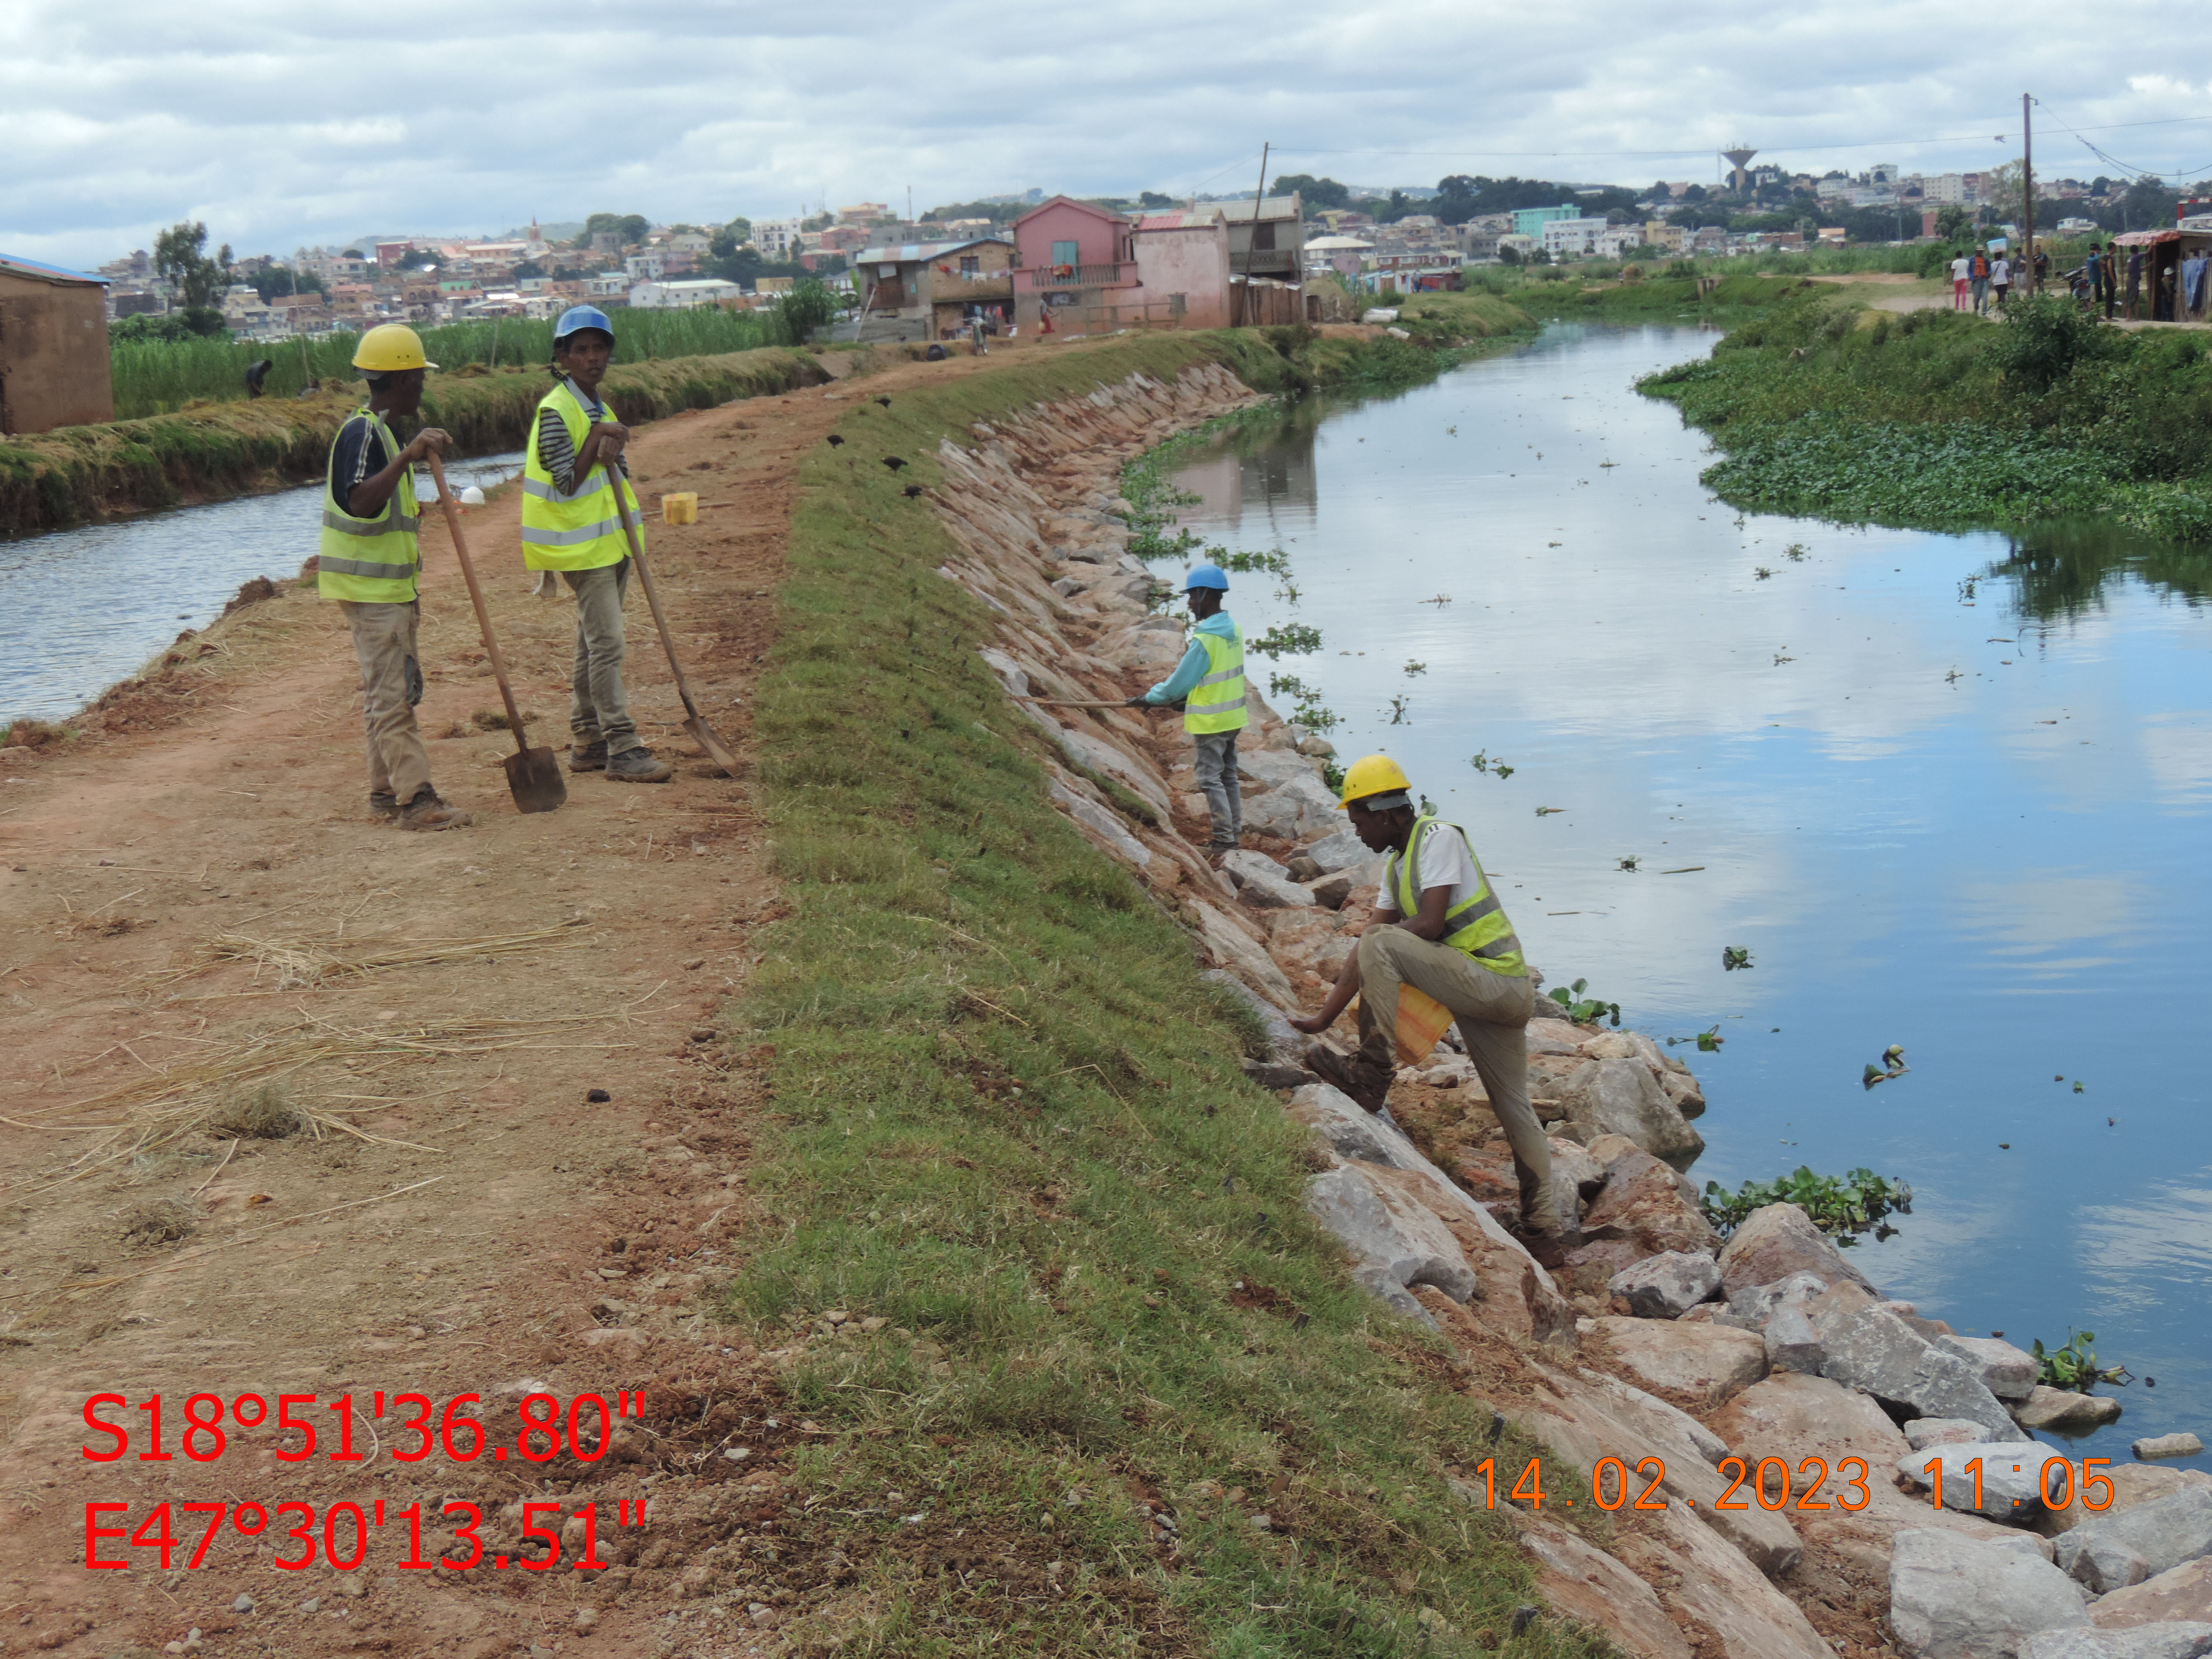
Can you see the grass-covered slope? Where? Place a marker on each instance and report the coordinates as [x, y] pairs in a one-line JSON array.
[[1939, 419], [215, 451], [1007, 1120]]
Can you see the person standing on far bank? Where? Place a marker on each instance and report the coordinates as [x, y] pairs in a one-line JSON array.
[[369, 563], [572, 523], [1978, 278], [1960, 267], [2001, 280], [1209, 683]]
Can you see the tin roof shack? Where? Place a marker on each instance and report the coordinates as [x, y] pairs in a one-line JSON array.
[[928, 290], [1074, 261], [54, 368], [1182, 269], [2174, 283]]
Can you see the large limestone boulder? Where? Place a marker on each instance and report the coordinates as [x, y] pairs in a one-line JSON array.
[[2006, 1371], [1285, 1043], [1551, 1037], [1953, 1597], [2064, 1412], [1394, 1244], [1753, 1305], [1263, 882], [2132, 1484], [1620, 1096], [1582, 1582], [2179, 1592], [1665, 1286], [1299, 807], [1310, 940], [1235, 950], [1709, 1363], [1650, 1204], [1592, 1416], [1517, 1293], [1714, 1585], [2112, 1551], [2011, 1480], [1864, 1346], [1778, 1241], [1104, 825], [2181, 1641], [1341, 849]]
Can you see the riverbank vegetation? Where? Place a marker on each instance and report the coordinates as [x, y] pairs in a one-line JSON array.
[[157, 376], [1940, 419], [1009, 1125], [51, 479]]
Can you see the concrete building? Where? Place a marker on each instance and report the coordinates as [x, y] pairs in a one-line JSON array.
[[54, 368], [1075, 261], [776, 239], [1183, 262], [1343, 254], [928, 290], [1266, 238], [1478, 244], [682, 295], [645, 267], [1667, 238], [1530, 221], [1566, 237]]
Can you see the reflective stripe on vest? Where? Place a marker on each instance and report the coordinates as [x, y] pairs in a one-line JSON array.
[[581, 530], [1216, 703], [370, 560], [1477, 924]]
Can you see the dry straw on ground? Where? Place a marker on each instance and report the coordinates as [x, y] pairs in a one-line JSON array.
[[300, 964]]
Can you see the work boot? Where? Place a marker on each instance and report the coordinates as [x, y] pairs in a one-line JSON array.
[[428, 812], [638, 766], [1361, 1076], [1543, 1231], [588, 756], [384, 807]]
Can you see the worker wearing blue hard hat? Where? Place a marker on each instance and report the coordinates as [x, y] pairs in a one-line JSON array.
[[1209, 683], [575, 484]]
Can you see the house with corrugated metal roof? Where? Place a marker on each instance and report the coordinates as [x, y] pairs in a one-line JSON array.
[[1073, 267], [54, 367], [932, 290]]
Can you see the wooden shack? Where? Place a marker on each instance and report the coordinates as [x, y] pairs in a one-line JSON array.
[[2170, 260], [54, 367]]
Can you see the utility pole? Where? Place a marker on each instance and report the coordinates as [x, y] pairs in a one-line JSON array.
[[2027, 186], [1252, 243]]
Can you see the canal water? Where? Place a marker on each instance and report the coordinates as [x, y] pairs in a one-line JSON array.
[[1948, 792], [82, 608]]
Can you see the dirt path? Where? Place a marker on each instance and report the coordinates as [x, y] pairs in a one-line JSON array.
[[466, 1211]]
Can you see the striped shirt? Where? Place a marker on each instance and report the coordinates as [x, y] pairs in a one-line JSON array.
[[358, 452], [555, 453]]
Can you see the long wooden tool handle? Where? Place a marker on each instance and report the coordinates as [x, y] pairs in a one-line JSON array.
[[652, 593], [1073, 702], [476, 598]]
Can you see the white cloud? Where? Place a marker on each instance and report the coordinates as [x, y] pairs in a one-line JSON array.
[[280, 125]]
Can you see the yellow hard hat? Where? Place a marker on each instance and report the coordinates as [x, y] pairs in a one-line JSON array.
[[1373, 774], [389, 346]]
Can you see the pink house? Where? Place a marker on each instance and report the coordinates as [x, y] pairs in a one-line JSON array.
[[1072, 257], [1182, 262]]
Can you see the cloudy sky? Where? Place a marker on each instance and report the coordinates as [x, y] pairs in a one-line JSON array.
[[284, 124]]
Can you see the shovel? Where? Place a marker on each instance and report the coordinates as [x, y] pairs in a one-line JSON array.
[[701, 733], [534, 776]]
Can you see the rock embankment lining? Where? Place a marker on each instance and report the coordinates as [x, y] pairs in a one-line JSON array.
[[1766, 1368]]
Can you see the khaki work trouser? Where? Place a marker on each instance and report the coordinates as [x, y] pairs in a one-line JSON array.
[[1493, 1012], [597, 707], [1214, 759], [391, 686]]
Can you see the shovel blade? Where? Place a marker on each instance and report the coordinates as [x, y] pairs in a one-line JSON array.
[[534, 778], [704, 735]]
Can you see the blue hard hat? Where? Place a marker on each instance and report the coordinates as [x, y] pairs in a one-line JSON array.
[[1207, 575], [576, 319]]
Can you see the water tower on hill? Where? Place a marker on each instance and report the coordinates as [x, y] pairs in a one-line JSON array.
[[1739, 160]]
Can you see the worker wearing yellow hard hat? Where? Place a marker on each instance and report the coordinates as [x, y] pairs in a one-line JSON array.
[[369, 563], [1440, 932]]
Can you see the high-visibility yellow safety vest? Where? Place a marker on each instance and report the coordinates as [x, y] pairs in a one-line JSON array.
[[1216, 702], [1477, 924], [582, 529], [370, 560]]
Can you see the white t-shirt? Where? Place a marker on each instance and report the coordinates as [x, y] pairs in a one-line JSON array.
[[2001, 273], [1442, 858], [1961, 268]]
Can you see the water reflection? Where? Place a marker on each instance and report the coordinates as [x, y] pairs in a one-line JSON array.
[[2060, 571], [81, 608]]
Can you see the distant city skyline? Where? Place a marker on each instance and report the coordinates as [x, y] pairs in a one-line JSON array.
[[280, 128]]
